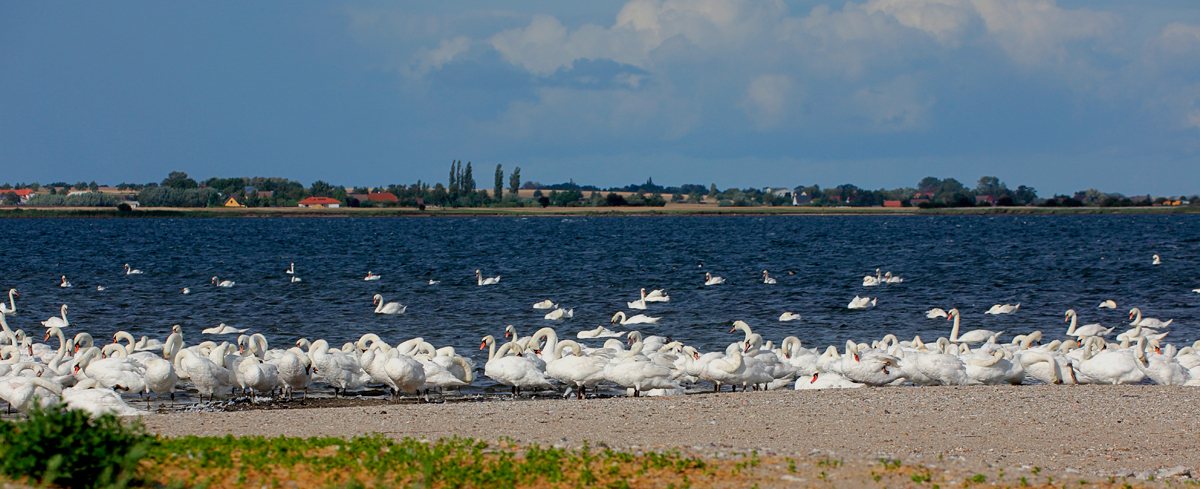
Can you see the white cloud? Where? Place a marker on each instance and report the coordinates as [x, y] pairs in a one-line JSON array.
[[447, 50], [767, 100]]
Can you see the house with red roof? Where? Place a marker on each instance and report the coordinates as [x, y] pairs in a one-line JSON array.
[[23, 195], [321, 202]]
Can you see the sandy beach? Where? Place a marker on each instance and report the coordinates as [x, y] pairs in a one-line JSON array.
[[1097, 431]]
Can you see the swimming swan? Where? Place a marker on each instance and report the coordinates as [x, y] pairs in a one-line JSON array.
[[637, 319], [388, 308], [11, 307], [222, 283], [710, 279], [479, 280]]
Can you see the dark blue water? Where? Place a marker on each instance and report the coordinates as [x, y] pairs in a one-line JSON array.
[[594, 265]]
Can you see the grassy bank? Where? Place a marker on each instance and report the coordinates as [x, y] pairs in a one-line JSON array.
[[670, 210]]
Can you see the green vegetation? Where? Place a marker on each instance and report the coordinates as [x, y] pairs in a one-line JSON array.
[[69, 449]]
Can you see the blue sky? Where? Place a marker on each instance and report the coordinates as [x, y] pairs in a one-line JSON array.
[[1062, 96]]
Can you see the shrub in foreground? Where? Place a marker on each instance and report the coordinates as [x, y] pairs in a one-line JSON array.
[[69, 449]]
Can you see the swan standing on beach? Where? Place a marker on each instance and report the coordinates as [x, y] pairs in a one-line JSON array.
[[56, 321], [221, 283], [388, 308], [371, 276], [578, 370], [131, 271], [710, 279], [64, 284], [511, 370], [973, 336], [11, 307], [862, 303], [767, 278], [637, 319], [480, 280]]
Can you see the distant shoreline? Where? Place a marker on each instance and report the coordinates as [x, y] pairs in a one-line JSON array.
[[259, 212]]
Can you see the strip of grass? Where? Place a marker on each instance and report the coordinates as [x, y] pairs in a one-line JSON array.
[[379, 461]]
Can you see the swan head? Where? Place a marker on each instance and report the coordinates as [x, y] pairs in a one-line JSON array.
[[1070, 312], [951, 314]]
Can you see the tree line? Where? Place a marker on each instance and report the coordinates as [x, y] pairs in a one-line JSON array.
[[461, 190]]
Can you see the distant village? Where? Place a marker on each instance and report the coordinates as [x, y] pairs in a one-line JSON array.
[[461, 190]]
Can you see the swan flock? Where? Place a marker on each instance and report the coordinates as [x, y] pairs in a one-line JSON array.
[[100, 377]]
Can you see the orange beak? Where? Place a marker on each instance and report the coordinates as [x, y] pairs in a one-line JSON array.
[[483, 345], [814, 379]]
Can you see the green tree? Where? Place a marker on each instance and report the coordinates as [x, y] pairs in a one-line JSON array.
[[178, 179], [498, 189], [712, 190], [514, 181], [468, 180], [94, 187], [1025, 195], [991, 186], [452, 185], [929, 184], [321, 188]]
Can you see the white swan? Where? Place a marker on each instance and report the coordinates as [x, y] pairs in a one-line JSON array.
[[633, 370], [767, 279], [826, 380], [888, 278], [221, 283], [639, 304], [870, 367], [480, 280], [371, 276], [224, 329], [186, 291], [973, 336], [1003, 309], [599, 332], [1107, 366], [559, 314], [944, 368], [295, 279], [1108, 304], [619, 318], [1085, 330], [116, 372], [789, 316], [131, 271], [546, 304], [291, 269], [96, 400], [862, 303], [935, 313], [656, 295], [340, 370], [579, 370], [1161, 369], [1135, 315], [388, 308], [64, 284], [1157, 260], [21, 391], [869, 281], [210, 379], [99, 287], [56, 321], [434, 282], [511, 370], [11, 307], [710, 279]]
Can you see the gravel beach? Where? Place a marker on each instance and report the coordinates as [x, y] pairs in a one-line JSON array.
[[1099, 431]]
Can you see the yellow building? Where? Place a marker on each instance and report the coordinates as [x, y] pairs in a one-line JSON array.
[[232, 202]]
